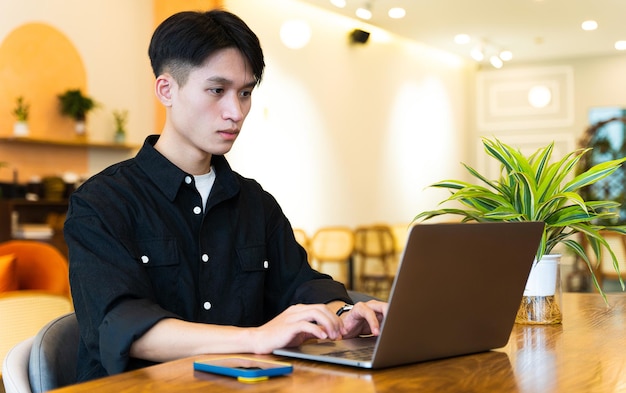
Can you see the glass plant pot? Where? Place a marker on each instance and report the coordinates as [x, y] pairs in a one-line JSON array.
[[541, 302]]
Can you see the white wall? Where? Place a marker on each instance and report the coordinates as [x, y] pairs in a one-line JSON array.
[[350, 134], [112, 38], [577, 85]]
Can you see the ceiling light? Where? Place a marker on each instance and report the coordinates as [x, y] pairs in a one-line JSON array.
[[495, 61], [487, 50], [620, 45], [477, 53], [397, 13], [338, 3], [539, 96], [295, 34], [589, 25], [462, 39], [364, 13], [506, 55]]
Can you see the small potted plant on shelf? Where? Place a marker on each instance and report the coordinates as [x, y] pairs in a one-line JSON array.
[[535, 189], [121, 118], [21, 113], [76, 105]]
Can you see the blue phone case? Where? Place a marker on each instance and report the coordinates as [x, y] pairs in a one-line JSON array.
[[243, 367]]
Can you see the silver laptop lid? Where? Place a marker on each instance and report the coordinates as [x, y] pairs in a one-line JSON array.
[[457, 290]]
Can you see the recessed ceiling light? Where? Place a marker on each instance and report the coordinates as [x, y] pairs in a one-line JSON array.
[[338, 3], [364, 13], [397, 13], [539, 96], [589, 25], [462, 39], [295, 33], [620, 45]]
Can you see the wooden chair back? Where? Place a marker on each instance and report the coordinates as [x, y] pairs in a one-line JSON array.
[[333, 244]]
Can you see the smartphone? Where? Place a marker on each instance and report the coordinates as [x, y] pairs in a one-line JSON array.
[[243, 368]]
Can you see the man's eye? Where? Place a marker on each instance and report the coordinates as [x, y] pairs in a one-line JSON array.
[[246, 93], [217, 90]]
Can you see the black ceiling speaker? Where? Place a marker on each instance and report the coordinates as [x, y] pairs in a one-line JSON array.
[[358, 36]]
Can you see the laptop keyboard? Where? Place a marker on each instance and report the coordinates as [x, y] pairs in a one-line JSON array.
[[356, 354]]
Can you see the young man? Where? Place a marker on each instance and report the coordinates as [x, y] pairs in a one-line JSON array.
[[172, 253]]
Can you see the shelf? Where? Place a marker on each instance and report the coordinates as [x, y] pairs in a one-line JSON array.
[[20, 202], [78, 142], [20, 213]]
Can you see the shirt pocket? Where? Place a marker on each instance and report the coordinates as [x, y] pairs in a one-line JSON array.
[[156, 253], [253, 259], [161, 260]]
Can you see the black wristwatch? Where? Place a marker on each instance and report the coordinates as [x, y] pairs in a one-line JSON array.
[[344, 308]]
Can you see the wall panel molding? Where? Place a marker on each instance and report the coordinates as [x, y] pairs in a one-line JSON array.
[[503, 104]]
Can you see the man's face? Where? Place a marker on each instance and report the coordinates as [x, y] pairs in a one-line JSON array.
[[208, 111]]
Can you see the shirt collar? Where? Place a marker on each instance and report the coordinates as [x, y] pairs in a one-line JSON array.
[[169, 178]]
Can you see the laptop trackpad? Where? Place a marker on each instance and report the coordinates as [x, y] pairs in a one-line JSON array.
[[340, 347]]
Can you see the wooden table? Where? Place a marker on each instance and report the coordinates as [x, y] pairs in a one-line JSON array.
[[587, 353]]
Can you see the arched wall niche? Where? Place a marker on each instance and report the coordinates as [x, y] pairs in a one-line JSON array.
[[39, 62]]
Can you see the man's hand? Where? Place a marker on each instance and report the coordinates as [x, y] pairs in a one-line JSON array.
[[302, 322], [364, 318], [295, 325]]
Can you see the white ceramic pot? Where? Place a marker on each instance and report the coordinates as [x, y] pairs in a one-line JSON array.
[[80, 127], [544, 277], [20, 128]]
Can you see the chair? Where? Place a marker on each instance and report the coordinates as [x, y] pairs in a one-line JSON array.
[[333, 244], [38, 266], [603, 268], [375, 244], [15, 368], [54, 354], [24, 313], [39, 290], [46, 361], [302, 238], [400, 234]]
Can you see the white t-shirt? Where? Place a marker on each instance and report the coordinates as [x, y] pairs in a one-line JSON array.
[[204, 184]]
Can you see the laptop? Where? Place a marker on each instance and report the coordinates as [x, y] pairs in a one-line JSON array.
[[456, 292]]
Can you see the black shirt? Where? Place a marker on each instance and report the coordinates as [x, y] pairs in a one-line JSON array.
[[141, 249]]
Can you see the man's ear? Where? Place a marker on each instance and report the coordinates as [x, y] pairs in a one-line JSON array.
[[163, 87]]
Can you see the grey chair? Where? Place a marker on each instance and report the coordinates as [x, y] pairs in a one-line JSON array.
[[45, 362]]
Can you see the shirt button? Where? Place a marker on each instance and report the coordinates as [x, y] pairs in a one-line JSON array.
[[266, 264], [207, 305], [145, 259], [188, 179], [205, 258], [197, 210]]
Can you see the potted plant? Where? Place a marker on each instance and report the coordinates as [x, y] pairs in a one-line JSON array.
[[76, 105], [21, 113], [535, 189], [120, 117]]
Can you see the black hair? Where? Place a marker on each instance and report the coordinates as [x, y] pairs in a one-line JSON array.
[[186, 39]]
